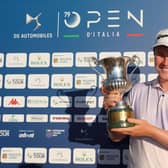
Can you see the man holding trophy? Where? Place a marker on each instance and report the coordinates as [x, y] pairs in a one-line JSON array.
[[144, 114]]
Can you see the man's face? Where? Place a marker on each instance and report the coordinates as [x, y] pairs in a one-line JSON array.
[[161, 62]]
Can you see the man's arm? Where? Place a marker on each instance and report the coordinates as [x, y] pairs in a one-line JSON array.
[[144, 129]]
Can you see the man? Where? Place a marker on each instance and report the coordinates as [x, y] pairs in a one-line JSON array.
[[149, 137]]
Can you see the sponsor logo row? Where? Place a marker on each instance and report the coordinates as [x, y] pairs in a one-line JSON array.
[[63, 156], [58, 81], [53, 118], [55, 101], [65, 59], [42, 81]]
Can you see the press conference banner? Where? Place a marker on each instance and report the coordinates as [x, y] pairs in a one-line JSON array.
[[51, 111]]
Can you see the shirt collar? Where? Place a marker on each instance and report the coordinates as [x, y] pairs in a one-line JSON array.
[[155, 83]]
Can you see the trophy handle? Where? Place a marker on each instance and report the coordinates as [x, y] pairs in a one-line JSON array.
[[136, 61], [96, 62]]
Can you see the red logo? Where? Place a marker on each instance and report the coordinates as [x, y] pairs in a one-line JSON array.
[[13, 102]]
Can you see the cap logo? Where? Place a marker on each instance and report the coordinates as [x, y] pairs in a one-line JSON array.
[[162, 36]]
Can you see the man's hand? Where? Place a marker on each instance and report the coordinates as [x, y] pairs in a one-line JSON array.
[[141, 129], [115, 136], [110, 98]]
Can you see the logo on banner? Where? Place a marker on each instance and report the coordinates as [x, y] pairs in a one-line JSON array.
[[91, 24], [84, 156], [60, 155], [110, 21], [13, 118], [4, 133], [35, 155], [14, 101], [26, 134], [109, 156], [29, 19], [1, 60], [54, 132], [11, 155], [72, 19], [35, 19]]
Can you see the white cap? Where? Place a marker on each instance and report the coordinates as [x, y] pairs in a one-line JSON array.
[[161, 38]]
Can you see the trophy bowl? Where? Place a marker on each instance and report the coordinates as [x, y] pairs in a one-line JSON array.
[[116, 70]]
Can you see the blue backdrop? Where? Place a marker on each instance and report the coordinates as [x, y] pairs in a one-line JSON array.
[[51, 107]]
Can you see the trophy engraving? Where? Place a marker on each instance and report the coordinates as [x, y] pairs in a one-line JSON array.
[[116, 70]]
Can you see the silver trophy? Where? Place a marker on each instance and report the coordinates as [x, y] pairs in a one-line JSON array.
[[116, 69]]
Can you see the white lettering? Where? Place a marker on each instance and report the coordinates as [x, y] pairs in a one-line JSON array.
[[114, 17], [140, 21], [94, 21]]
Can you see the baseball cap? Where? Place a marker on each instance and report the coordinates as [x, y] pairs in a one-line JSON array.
[[161, 38]]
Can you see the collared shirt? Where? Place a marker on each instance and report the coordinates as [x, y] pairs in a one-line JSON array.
[[149, 102]]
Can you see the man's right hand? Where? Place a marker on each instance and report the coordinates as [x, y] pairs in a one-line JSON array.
[[110, 98], [114, 136]]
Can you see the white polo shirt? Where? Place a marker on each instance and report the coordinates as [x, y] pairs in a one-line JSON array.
[[150, 103]]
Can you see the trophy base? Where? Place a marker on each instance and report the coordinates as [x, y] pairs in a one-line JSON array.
[[120, 124], [117, 116]]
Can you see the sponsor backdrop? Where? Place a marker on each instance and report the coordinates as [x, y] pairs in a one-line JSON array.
[[50, 104]]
